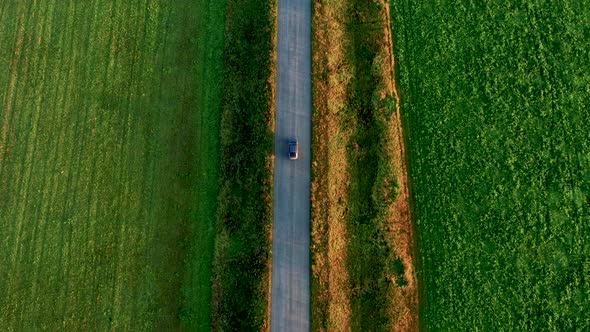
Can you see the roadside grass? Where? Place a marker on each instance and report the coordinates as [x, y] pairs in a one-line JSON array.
[[108, 146], [373, 263], [330, 298], [244, 218], [495, 97], [362, 243]]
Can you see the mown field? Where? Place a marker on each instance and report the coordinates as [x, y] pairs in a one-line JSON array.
[[107, 206], [495, 97]]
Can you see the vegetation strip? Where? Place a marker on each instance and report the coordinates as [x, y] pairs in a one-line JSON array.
[[374, 247], [330, 74], [244, 217], [495, 98]]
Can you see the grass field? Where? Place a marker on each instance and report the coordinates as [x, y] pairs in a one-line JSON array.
[[496, 95], [107, 205]]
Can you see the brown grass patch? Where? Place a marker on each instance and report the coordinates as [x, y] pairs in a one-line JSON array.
[[404, 304], [330, 293]]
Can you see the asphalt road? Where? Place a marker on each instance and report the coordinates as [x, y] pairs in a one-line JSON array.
[[290, 306]]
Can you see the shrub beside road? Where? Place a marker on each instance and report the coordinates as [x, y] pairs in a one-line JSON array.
[[244, 218]]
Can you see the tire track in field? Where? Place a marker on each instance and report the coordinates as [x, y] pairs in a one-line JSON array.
[[25, 256], [4, 131], [151, 189], [204, 233], [116, 234], [46, 92], [2, 10], [4, 150], [164, 250], [116, 304], [136, 69], [156, 47], [120, 230], [160, 37], [39, 236], [150, 227], [149, 162], [9, 308], [103, 265], [9, 99], [86, 164], [15, 275], [59, 155], [65, 190], [170, 41], [125, 172], [90, 189], [17, 120], [62, 91], [128, 151], [71, 136], [122, 171]]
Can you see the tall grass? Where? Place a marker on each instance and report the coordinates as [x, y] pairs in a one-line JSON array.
[[244, 217], [352, 117], [371, 256]]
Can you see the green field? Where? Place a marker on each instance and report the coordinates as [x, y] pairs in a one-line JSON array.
[[109, 158], [496, 99]]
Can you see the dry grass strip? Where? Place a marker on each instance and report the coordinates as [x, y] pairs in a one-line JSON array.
[[404, 304], [331, 309]]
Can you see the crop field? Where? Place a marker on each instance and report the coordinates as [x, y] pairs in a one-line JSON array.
[[107, 207], [495, 95]]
